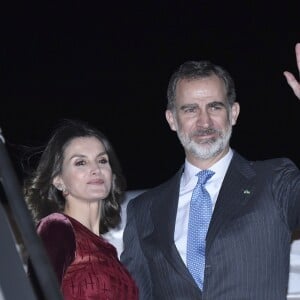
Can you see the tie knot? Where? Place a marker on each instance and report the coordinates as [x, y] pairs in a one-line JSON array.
[[204, 175]]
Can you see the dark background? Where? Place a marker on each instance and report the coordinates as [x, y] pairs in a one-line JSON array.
[[109, 63]]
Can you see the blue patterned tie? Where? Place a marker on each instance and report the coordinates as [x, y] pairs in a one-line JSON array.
[[200, 215]]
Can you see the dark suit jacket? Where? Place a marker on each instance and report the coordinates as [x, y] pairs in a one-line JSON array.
[[248, 241]]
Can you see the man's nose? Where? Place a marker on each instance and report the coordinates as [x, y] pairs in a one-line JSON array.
[[203, 118]]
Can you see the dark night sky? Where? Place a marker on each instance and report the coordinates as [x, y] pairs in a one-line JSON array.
[[108, 63]]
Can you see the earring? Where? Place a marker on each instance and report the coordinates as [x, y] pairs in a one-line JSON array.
[[59, 187], [65, 192]]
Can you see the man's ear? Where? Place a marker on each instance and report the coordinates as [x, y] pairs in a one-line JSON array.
[[171, 120], [235, 111]]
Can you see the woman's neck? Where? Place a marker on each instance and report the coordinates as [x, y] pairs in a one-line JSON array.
[[87, 214]]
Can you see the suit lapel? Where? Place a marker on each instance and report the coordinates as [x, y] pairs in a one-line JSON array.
[[235, 192], [163, 213]]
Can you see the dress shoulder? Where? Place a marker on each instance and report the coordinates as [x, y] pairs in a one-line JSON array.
[[58, 237]]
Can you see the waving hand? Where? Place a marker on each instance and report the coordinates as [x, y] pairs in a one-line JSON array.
[[291, 80]]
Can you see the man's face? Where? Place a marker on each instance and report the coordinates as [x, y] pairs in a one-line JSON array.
[[202, 117]]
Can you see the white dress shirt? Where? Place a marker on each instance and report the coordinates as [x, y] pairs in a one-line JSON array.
[[187, 184], [294, 279]]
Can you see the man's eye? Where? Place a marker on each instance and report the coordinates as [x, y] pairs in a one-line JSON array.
[[216, 106], [190, 109]]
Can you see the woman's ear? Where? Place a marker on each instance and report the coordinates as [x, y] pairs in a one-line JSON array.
[[57, 183]]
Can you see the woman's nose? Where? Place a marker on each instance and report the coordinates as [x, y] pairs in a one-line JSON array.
[[95, 169]]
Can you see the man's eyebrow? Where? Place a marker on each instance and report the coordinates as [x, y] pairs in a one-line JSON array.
[[191, 105], [221, 103]]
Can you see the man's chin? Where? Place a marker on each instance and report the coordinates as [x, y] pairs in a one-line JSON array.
[[201, 147]]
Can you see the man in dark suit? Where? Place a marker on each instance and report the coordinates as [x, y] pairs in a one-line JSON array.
[[255, 204]]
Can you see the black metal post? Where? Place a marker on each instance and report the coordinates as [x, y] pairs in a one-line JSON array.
[[38, 257]]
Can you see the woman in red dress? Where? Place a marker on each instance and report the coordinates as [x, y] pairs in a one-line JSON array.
[[74, 196]]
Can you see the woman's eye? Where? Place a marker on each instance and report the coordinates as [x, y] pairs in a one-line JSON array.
[[80, 163], [103, 161]]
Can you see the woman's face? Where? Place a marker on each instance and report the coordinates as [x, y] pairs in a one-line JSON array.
[[86, 172]]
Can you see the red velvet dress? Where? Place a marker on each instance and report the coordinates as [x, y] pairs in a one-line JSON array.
[[87, 266]]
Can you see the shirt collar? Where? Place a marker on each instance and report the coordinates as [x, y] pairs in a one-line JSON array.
[[220, 168]]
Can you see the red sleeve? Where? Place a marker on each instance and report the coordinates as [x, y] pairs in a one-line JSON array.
[[58, 237]]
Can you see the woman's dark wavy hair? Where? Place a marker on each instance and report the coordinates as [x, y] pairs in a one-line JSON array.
[[44, 198]]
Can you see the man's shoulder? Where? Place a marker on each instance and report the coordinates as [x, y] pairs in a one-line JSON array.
[[264, 163]]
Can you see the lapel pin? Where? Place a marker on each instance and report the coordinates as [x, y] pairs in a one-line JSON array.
[[247, 192]]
